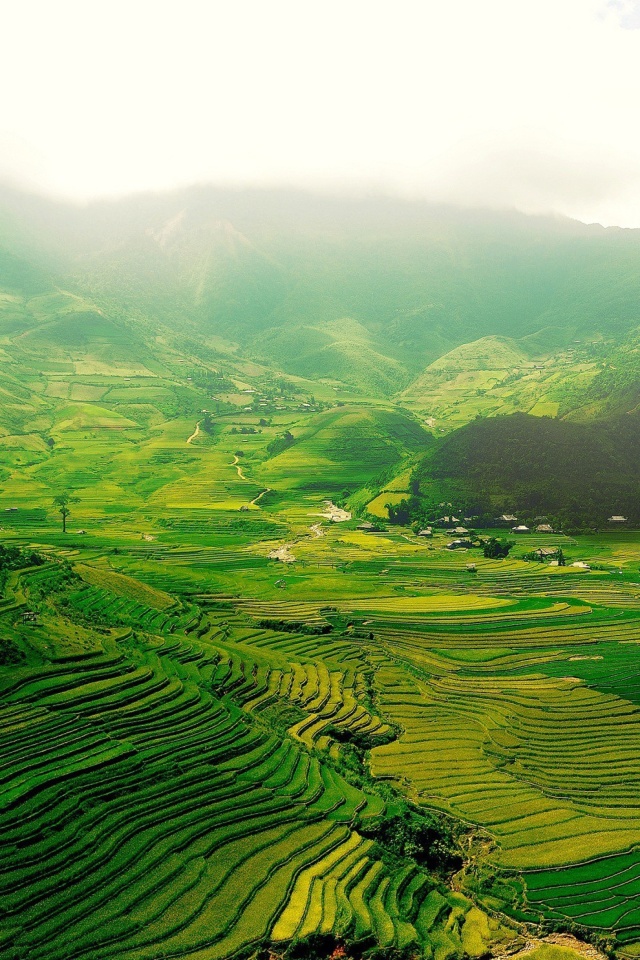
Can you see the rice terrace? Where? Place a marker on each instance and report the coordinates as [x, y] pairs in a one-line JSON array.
[[319, 581]]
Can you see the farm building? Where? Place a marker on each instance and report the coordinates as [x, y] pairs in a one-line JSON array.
[[544, 528], [616, 519], [459, 545], [546, 553], [520, 529], [427, 532]]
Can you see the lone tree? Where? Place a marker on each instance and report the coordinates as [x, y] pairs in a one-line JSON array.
[[495, 549], [62, 501]]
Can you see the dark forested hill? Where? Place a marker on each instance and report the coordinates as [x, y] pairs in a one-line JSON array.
[[574, 473]]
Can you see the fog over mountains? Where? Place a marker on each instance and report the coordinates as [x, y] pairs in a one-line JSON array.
[[358, 289]]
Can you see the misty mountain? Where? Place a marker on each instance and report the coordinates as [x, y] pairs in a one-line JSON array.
[[368, 291]]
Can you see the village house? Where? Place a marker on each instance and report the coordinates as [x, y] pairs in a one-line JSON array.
[[448, 520], [546, 553]]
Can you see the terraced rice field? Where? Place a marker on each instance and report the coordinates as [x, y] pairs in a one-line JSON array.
[[157, 800], [177, 786], [201, 744]]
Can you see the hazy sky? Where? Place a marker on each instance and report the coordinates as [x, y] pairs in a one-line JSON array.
[[526, 103]]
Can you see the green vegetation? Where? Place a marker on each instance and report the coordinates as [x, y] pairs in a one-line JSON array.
[[280, 444], [576, 475], [424, 837], [13, 558], [62, 502], [497, 549], [248, 711]]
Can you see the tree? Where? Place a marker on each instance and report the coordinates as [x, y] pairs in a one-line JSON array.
[[399, 512], [495, 549], [207, 423], [62, 501], [280, 443]]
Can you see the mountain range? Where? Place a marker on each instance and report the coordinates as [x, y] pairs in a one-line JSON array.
[[441, 313]]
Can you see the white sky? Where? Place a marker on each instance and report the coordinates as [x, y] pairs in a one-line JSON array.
[[526, 103]]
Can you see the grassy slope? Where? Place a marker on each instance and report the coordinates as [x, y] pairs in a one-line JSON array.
[[369, 291], [345, 449], [494, 683]]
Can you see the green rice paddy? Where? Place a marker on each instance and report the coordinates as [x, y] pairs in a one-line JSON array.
[[179, 775]]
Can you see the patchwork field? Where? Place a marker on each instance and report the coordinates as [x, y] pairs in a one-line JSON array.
[[236, 718]]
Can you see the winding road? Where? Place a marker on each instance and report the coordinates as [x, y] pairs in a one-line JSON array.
[[195, 433], [238, 468]]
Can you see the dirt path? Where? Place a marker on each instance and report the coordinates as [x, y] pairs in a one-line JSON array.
[[239, 468], [317, 529], [196, 432], [560, 940], [283, 554], [335, 514], [260, 495]]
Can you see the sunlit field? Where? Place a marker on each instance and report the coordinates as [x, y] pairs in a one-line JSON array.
[[200, 740], [247, 710]]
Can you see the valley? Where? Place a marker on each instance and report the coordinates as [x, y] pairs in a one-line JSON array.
[[245, 714]]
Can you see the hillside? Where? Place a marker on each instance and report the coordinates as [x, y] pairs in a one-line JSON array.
[[488, 353], [615, 389], [573, 473], [244, 715], [341, 450], [367, 291]]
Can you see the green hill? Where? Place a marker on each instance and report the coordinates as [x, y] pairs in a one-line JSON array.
[[341, 350], [615, 387], [238, 721], [576, 474], [344, 449], [268, 270], [488, 353]]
